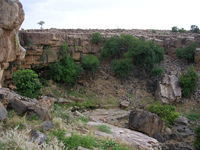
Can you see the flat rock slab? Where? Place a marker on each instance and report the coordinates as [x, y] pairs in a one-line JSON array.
[[132, 138], [116, 117]]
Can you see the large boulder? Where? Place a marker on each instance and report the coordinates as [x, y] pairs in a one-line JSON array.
[[11, 18], [168, 89], [145, 122], [22, 104]]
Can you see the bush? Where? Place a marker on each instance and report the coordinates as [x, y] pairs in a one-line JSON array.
[[63, 50], [174, 29], [194, 29], [197, 138], [157, 71], [182, 30], [27, 83], [121, 67], [96, 38], [193, 116], [188, 82], [65, 71], [115, 46], [146, 54], [187, 52], [166, 112], [90, 63]]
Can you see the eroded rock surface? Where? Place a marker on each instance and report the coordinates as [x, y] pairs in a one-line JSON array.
[[134, 139], [145, 122], [168, 89], [11, 18], [22, 104]]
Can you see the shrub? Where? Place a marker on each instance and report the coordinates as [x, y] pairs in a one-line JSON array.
[[27, 83], [115, 46], [188, 82], [166, 112], [182, 30], [197, 138], [65, 71], [63, 50], [157, 71], [96, 38], [146, 54], [174, 29], [187, 52], [121, 67], [193, 116], [194, 29], [90, 63], [111, 48]]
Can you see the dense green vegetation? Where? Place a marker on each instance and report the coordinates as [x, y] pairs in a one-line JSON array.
[[166, 112], [63, 51], [121, 67], [90, 63], [197, 138], [193, 116], [176, 29], [187, 52], [27, 83], [157, 71], [96, 38], [188, 82], [65, 71], [143, 54]]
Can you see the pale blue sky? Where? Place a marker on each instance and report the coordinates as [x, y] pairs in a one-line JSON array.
[[129, 14]]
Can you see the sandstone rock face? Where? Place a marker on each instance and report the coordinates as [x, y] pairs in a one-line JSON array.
[[12, 16], [145, 122], [168, 89]]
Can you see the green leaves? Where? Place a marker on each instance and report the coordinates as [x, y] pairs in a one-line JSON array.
[[27, 83], [90, 63], [188, 82]]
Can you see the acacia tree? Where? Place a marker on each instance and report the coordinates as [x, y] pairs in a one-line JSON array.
[[41, 24]]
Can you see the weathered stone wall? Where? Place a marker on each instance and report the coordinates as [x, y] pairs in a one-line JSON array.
[[11, 17], [43, 45]]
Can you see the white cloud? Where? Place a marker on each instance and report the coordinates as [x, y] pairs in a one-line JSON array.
[[159, 14]]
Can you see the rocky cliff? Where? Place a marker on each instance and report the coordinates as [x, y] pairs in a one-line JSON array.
[[12, 16]]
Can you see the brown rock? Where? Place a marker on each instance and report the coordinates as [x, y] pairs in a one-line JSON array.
[[145, 122], [12, 16]]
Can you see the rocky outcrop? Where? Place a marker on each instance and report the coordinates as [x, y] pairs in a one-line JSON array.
[[168, 89], [22, 104], [145, 122], [135, 140], [12, 16], [181, 136]]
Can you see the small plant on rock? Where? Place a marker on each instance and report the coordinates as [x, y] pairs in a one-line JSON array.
[[90, 63], [122, 67], [27, 83], [157, 71], [187, 52], [188, 82], [96, 38], [166, 112]]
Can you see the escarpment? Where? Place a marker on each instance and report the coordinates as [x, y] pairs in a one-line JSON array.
[[11, 18]]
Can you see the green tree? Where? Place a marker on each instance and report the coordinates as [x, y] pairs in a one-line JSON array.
[[27, 83], [41, 23]]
